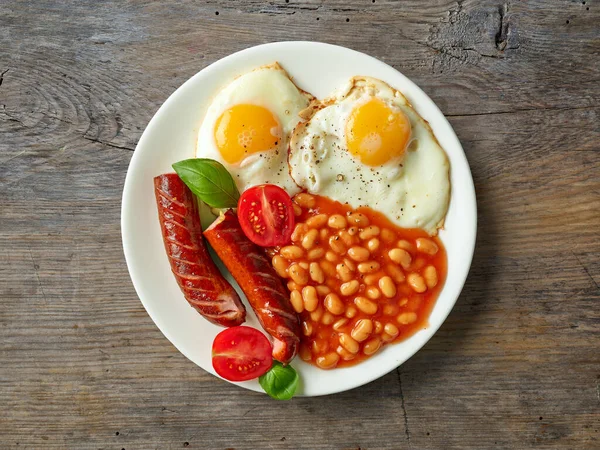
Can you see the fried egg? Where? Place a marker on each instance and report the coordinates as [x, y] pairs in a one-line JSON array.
[[248, 125], [367, 146]]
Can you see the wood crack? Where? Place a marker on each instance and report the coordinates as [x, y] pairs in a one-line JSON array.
[[99, 141], [10, 117], [2, 76], [275, 10], [406, 430], [502, 33], [586, 270], [516, 111]]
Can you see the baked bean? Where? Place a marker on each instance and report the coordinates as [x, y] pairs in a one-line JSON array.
[[316, 315], [347, 238], [307, 328], [348, 343], [368, 267], [378, 327], [358, 254], [351, 311], [320, 346], [373, 293], [337, 326], [331, 256], [327, 318], [406, 318], [425, 245], [305, 353], [350, 264], [323, 234], [309, 239], [372, 278], [328, 361], [362, 330], [387, 287], [303, 264], [296, 301], [353, 231], [416, 282], [371, 346], [328, 268], [280, 265], [337, 221], [386, 337], [390, 310], [299, 231], [395, 273], [419, 263], [405, 245], [309, 296], [349, 288], [387, 235], [400, 256], [430, 275], [373, 245], [293, 286], [334, 304], [345, 354], [391, 329], [316, 273], [337, 245], [316, 253], [344, 272], [291, 252], [403, 301], [317, 221], [358, 219], [322, 290], [297, 210], [369, 232], [305, 200], [365, 305]]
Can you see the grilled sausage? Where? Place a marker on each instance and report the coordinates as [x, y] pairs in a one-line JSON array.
[[265, 291], [202, 284]]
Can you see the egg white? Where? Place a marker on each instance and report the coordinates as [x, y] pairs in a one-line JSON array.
[[269, 87], [412, 190]]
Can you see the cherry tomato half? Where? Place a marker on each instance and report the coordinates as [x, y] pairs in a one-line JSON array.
[[266, 215], [241, 353]]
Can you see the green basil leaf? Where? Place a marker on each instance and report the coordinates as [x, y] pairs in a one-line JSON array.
[[280, 382], [209, 180]]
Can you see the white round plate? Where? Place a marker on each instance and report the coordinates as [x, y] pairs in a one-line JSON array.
[[171, 136]]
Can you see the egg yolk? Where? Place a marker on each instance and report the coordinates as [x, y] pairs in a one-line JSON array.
[[376, 134], [245, 129]]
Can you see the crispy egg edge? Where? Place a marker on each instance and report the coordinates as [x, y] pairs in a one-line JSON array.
[[356, 82]]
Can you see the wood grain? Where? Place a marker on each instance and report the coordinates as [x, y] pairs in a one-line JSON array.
[[516, 365]]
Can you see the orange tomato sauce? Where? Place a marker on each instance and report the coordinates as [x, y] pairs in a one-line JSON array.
[[359, 282]]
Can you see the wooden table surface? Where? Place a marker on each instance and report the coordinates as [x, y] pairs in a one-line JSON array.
[[517, 363]]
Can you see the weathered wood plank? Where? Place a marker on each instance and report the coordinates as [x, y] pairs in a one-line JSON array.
[[516, 363]]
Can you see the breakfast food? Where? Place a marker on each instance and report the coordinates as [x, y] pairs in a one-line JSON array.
[[264, 290], [356, 280], [334, 239], [248, 126], [241, 353], [202, 284], [266, 215], [366, 146]]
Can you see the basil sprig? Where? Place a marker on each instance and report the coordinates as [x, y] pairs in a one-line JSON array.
[[209, 180], [280, 382]]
